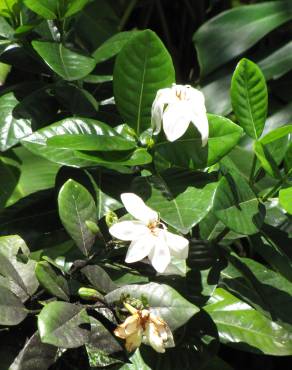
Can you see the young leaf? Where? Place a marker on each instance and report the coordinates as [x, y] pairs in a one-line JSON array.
[[285, 198], [142, 67], [76, 206], [249, 97]]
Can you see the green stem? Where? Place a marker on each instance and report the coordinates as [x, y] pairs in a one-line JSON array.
[[275, 188], [252, 171]]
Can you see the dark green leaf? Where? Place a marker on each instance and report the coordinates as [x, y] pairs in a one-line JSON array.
[[63, 325], [236, 205], [66, 63], [91, 142], [76, 206], [232, 32], [98, 278], [163, 300], [12, 311], [52, 282], [12, 128], [52, 9], [182, 198], [112, 46], [142, 67], [249, 97], [188, 152], [41, 355], [242, 327]]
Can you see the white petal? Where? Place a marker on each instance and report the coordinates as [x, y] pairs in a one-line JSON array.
[[176, 119], [129, 230], [140, 249], [179, 246], [163, 97], [200, 121], [154, 338], [138, 209], [160, 255]]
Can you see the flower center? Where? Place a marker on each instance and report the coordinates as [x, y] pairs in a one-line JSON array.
[[154, 226], [182, 92]]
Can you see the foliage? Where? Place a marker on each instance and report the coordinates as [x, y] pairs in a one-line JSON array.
[[75, 133]]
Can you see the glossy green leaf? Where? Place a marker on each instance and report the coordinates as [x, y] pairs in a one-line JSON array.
[[188, 152], [76, 206], [37, 142], [52, 9], [63, 325], [232, 32], [51, 281], [277, 63], [285, 198], [265, 290], [12, 129], [237, 206], [25, 173], [242, 327], [42, 355], [112, 46], [271, 149], [181, 198], [164, 301], [249, 97], [137, 362], [12, 311], [89, 142], [142, 67], [66, 63]]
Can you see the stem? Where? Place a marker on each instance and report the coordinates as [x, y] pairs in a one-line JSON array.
[[277, 186], [221, 235], [127, 14]]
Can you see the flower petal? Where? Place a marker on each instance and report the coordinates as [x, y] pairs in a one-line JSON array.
[[160, 255], [138, 209], [179, 246], [134, 340], [129, 230], [154, 338], [140, 248], [163, 97], [176, 119], [200, 121]]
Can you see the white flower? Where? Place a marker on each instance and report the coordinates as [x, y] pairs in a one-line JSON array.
[[175, 108], [143, 326], [148, 236]]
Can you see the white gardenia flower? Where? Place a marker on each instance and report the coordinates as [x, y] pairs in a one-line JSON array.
[[175, 108], [148, 236], [144, 327]]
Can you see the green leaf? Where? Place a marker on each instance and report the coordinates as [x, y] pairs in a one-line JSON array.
[[271, 149], [137, 362], [42, 355], [265, 290], [163, 300], [98, 278], [249, 97], [12, 129], [113, 46], [66, 63], [277, 63], [242, 327], [188, 152], [236, 205], [232, 32], [76, 206], [52, 9], [63, 325], [37, 142], [53, 283], [285, 198], [12, 311], [89, 142], [182, 198], [142, 67]]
